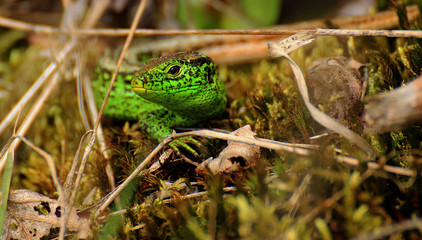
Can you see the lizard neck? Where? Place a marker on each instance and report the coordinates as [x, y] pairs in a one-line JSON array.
[[201, 105]]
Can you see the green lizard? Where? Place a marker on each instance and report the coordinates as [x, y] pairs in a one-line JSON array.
[[181, 89]]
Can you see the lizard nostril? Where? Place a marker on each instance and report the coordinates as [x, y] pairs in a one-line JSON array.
[[139, 81], [135, 82], [144, 79]]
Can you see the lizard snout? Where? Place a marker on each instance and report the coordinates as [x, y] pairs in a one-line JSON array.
[[139, 81]]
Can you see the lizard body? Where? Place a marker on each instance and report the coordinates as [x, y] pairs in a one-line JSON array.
[[181, 89]]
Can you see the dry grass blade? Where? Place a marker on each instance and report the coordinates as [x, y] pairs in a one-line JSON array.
[[36, 108], [301, 149], [37, 84], [260, 32], [91, 19], [50, 162], [129, 38], [354, 23], [369, 33], [69, 183], [388, 230], [292, 43], [14, 24], [89, 96]]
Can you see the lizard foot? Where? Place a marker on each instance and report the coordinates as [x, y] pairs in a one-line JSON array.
[[186, 149], [188, 146]]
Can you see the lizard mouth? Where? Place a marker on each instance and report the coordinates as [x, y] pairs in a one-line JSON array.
[[144, 87], [142, 90]]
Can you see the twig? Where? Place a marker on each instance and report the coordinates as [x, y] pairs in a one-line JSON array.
[[343, 22], [44, 29], [50, 163], [395, 109], [376, 166], [301, 149], [385, 231], [369, 33]]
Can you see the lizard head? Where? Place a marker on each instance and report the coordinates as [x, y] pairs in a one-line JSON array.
[[185, 82]]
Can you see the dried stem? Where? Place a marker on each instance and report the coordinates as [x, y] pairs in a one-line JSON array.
[[30, 117], [50, 163], [301, 149], [91, 142]]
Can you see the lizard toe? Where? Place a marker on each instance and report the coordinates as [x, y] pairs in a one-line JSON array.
[[189, 146]]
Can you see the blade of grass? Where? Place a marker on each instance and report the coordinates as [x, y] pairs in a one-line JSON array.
[[5, 187]]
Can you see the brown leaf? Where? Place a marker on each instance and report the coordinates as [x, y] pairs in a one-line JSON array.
[[235, 157], [31, 215], [335, 84]]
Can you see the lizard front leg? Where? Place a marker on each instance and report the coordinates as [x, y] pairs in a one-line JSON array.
[[158, 123]]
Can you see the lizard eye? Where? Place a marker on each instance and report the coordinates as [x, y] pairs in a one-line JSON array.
[[174, 70]]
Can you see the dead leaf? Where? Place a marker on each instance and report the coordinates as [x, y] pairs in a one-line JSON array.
[[335, 84], [235, 157], [31, 215]]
